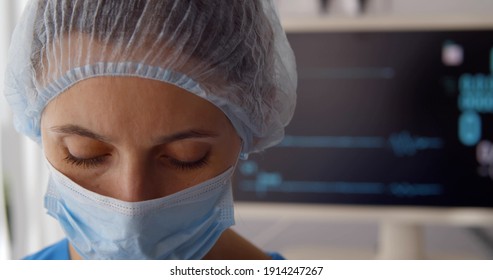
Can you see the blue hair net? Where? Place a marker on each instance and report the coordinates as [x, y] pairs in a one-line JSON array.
[[231, 53]]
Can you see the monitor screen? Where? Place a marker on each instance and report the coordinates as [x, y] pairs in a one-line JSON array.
[[384, 118]]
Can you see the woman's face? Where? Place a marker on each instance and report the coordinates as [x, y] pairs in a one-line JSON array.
[[136, 139]]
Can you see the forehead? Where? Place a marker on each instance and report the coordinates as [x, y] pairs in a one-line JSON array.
[[131, 107]]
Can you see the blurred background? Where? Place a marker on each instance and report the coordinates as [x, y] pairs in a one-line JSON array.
[[388, 155]]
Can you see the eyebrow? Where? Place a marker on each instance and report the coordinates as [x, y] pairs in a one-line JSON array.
[[78, 130], [81, 131], [187, 134]]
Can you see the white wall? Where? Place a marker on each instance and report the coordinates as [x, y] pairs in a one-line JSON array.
[[442, 7], [338, 8]]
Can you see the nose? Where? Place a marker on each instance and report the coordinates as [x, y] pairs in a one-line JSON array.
[[135, 180]]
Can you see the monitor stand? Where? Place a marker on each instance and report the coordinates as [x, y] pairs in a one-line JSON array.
[[400, 240]]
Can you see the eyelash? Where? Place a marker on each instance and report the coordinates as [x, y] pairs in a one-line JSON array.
[[94, 162], [183, 165], [86, 163]]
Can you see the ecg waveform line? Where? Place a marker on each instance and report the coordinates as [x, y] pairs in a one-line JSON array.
[[273, 182], [402, 143], [261, 188], [332, 142], [412, 190]]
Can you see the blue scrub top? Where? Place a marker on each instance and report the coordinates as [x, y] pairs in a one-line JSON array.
[[59, 251]]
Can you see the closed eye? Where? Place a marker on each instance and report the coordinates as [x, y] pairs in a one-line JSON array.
[[188, 165], [86, 162]]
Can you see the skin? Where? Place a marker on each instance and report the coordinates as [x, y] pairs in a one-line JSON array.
[[137, 139]]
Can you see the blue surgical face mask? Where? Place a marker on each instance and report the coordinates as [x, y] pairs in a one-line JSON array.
[[184, 225]]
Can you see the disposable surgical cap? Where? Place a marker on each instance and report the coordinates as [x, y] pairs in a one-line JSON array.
[[232, 53]]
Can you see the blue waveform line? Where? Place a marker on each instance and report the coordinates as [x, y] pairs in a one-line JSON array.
[[262, 189], [402, 143], [413, 190], [347, 73], [332, 142]]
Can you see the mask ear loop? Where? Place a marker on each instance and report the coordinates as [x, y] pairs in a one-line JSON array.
[[238, 157], [242, 155]]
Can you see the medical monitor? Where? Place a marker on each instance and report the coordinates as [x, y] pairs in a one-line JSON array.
[[384, 117], [393, 124]]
